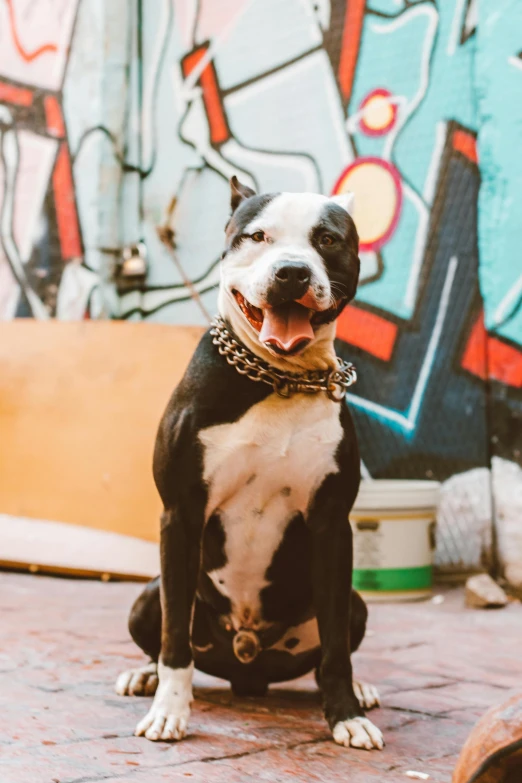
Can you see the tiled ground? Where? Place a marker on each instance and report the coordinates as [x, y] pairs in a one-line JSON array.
[[63, 642]]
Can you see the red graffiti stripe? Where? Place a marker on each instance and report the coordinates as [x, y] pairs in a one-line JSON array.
[[16, 95], [22, 51], [219, 131], [54, 117], [485, 355], [504, 362], [353, 23], [66, 215], [474, 359], [466, 144], [368, 331]]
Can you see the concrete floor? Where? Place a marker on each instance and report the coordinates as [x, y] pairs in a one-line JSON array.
[[62, 643]]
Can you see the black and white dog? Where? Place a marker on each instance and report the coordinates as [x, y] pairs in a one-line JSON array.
[[257, 477]]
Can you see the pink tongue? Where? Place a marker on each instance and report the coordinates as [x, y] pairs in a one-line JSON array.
[[286, 325]]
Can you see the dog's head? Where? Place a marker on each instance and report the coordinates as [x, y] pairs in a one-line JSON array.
[[290, 266]]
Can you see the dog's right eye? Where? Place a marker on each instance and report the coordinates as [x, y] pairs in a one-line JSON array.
[[258, 236], [327, 240]]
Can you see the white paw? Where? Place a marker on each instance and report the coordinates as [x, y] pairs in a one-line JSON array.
[[158, 724], [366, 695], [138, 682], [168, 717], [358, 733]]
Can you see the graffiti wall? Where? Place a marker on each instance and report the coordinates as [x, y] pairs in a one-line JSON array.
[[121, 124], [383, 98], [60, 131], [498, 82]]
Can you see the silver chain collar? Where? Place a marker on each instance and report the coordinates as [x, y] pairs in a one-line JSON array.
[[333, 382]]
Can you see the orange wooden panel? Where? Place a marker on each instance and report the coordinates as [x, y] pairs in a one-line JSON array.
[[79, 409]]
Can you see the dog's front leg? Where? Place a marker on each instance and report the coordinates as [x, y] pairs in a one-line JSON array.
[[332, 582], [168, 716]]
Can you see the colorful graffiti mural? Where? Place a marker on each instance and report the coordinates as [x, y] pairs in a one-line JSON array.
[[56, 161], [411, 104], [38, 209], [498, 81]]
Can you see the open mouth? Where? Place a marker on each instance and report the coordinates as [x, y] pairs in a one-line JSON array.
[[287, 328]]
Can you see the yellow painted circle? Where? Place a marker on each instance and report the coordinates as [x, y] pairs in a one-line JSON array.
[[378, 112], [376, 199]]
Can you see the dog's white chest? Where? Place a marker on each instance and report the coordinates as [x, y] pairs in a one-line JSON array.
[[261, 471]]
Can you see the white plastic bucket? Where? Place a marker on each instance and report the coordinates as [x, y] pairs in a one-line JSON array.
[[393, 523]]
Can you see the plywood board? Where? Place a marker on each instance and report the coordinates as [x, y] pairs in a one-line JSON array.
[[79, 409]]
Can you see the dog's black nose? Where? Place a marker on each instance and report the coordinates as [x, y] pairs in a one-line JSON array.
[[291, 281]]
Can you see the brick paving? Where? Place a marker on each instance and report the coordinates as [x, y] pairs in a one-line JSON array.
[[63, 642]]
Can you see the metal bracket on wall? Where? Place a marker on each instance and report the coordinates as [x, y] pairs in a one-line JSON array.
[[131, 268]]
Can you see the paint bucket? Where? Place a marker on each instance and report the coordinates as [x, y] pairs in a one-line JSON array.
[[393, 522]]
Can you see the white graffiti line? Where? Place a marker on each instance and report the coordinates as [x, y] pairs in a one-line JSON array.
[[147, 109], [218, 162], [197, 133], [471, 21], [406, 110], [182, 97], [76, 289], [150, 301], [456, 27], [354, 119], [516, 61], [408, 421], [370, 267], [299, 70], [434, 340], [365, 473], [188, 93], [10, 157], [344, 142], [410, 295], [441, 130], [380, 411], [300, 163], [191, 21], [507, 305], [215, 44]]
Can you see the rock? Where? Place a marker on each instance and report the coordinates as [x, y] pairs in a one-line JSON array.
[[482, 592], [493, 751], [464, 521], [507, 489]]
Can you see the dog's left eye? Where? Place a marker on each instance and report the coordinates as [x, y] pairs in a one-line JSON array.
[[327, 240], [258, 236]]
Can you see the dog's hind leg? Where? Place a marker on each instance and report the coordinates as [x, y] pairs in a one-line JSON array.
[[145, 629], [142, 681], [249, 686]]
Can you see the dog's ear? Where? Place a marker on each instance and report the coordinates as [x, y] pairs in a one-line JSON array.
[[239, 193], [346, 201]]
